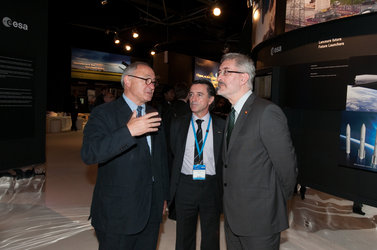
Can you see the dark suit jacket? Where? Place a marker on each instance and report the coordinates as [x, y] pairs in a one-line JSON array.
[[179, 128], [259, 170], [123, 193]]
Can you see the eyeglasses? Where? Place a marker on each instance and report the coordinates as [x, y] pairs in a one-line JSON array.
[[148, 81], [226, 72]]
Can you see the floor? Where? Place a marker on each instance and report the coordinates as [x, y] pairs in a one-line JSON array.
[[50, 210]]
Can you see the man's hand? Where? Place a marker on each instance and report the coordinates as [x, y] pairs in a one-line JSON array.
[[143, 124]]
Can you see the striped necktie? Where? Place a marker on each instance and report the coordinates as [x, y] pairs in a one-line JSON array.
[[198, 159]]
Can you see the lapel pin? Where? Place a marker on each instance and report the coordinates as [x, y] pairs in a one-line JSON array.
[[246, 112]]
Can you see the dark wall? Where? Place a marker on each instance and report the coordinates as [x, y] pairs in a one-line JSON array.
[[313, 67], [23, 71]]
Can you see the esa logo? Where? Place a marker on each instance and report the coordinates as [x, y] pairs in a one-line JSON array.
[[9, 24]]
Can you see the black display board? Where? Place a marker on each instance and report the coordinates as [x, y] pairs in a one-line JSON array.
[[23, 55], [314, 67]]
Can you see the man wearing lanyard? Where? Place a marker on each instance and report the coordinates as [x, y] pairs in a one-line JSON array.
[[196, 180]]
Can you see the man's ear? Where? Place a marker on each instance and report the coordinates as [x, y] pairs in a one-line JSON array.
[[245, 77], [211, 100], [126, 81]]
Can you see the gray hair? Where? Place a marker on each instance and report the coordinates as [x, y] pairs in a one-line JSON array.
[[244, 63], [130, 70]]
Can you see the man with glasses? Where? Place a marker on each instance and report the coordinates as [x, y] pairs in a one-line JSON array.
[[259, 161], [125, 139]]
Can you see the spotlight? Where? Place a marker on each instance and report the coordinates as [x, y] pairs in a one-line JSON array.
[[153, 52], [216, 11], [116, 38], [104, 2], [135, 34], [256, 15], [128, 47]]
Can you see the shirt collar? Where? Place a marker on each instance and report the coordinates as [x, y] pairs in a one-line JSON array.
[[239, 104], [204, 118], [131, 104]]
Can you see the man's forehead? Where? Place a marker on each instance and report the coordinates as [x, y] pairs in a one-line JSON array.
[[198, 88], [227, 63], [148, 71]]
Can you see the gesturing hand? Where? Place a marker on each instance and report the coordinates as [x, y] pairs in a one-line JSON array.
[[143, 124]]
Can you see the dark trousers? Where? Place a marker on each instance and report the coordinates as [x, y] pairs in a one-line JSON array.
[[144, 240], [236, 242], [193, 198]]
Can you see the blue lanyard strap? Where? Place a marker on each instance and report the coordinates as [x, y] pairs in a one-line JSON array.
[[200, 151]]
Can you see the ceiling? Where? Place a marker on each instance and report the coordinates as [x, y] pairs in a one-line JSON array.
[[184, 26]]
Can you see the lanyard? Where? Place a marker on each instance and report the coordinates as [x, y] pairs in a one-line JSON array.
[[200, 151]]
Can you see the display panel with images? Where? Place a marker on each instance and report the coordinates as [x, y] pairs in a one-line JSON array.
[[359, 121], [262, 86], [301, 13], [96, 65], [206, 69], [264, 12]]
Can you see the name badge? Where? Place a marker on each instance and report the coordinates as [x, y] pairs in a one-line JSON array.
[[199, 172]]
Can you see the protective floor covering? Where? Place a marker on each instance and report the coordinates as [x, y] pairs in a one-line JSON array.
[[49, 212]]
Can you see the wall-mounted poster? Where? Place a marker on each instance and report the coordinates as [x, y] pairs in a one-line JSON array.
[[96, 65], [263, 21], [301, 13], [206, 69], [359, 121]]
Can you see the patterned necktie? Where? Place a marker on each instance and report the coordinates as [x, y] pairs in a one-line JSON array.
[[198, 159], [232, 117], [139, 109]]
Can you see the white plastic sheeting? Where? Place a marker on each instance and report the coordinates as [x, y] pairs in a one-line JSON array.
[[26, 223]]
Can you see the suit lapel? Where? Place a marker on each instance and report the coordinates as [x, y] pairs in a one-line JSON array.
[[181, 137], [242, 117]]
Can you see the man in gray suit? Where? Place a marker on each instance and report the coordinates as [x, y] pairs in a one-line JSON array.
[[259, 161]]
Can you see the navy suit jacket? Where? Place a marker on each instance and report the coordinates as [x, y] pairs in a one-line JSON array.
[[179, 128], [122, 197]]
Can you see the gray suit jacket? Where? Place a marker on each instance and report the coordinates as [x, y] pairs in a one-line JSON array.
[[259, 170]]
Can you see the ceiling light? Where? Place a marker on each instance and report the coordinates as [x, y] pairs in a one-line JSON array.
[[116, 38], [153, 52], [256, 15], [216, 11], [128, 47], [135, 34], [104, 2]]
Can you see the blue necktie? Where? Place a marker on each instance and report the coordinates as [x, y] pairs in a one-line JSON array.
[[139, 109]]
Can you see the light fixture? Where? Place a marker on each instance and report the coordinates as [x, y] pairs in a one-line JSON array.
[[153, 52], [135, 34], [104, 2], [128, 47], [256, 14], [116, 38], [216, 11]]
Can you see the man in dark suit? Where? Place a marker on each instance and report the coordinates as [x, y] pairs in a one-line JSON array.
[[196, 183], [128, 144], [259, 161]]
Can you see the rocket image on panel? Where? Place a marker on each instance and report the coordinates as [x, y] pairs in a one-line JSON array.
[[366, 81], [361, 154], [374, 157], [348, 139]]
